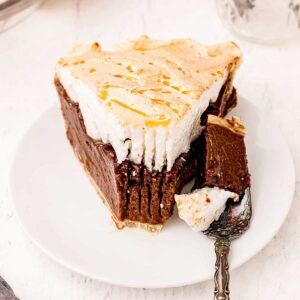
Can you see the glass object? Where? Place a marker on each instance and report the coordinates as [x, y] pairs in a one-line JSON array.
[[265, 21], [13, 11]]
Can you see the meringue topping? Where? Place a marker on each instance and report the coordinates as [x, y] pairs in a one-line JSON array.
[[151, 83]]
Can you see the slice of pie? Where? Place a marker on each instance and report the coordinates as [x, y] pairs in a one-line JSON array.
[[223, 173], [133, 118]]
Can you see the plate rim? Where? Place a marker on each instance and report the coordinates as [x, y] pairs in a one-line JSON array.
[[118, 282]]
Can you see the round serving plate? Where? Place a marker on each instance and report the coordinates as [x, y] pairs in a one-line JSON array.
[[63, 215]]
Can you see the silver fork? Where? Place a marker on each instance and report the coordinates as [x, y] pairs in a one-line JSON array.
[[232, 224]]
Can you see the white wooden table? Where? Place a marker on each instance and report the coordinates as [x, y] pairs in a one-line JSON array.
[[269, 76]]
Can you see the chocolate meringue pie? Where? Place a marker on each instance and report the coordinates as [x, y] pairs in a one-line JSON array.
[[134, 117]]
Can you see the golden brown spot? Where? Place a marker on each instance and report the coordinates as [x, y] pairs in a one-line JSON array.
[[166, 82], [120, 103], [139, 91], [92, 70], [80, 62], [140, 71], [95, 46], [127, 77], [186, 92], [155, 89], [162, 122], [181, 70], [103, 94], [107, 86], [129, 68], [165, 102], [63, 62]]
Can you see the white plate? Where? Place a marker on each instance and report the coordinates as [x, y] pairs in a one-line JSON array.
[[63, 215]]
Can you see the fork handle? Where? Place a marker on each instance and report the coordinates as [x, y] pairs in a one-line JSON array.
[[222, 247]]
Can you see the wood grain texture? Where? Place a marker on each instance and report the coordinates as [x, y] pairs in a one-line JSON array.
[[269, 77]]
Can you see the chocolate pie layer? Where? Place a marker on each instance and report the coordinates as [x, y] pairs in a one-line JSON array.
[[134, 195], [223, 160]]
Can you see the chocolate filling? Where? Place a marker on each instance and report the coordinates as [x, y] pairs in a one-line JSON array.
[[131, 190], [223, 160]]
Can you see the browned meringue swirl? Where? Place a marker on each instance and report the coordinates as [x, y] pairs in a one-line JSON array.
[[151, 83]]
